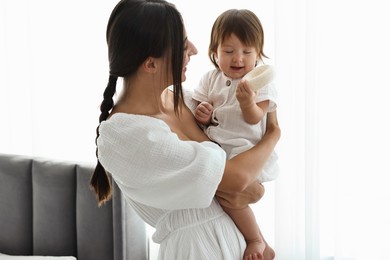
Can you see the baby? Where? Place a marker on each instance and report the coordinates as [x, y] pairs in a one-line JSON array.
[[232, 107]]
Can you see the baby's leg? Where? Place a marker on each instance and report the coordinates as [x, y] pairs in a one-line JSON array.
[[245, 221]]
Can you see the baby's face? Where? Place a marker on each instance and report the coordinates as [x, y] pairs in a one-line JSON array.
[[234, 58]]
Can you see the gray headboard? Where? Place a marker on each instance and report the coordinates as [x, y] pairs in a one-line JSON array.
[[47, 208]]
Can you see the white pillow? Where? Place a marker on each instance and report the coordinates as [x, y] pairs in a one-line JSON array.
[[35, 257]]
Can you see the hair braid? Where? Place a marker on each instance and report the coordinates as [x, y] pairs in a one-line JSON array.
[[100, 181], [136, 30]]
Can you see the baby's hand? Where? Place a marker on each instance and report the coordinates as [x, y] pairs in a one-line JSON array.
[[245, 95], [203, 113]]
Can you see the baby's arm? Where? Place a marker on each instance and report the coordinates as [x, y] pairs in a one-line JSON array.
[[252, 112], [203, 112]]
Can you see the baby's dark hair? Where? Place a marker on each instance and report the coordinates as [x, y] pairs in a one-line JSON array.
[[244, 24], [136, 30]]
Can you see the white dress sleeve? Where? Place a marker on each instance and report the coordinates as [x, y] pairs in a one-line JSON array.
[[154, 167]]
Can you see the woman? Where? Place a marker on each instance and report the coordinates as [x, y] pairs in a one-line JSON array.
[[149, 142]]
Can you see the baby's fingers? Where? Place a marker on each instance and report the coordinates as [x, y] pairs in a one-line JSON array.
[[206, 106], [245, 86]]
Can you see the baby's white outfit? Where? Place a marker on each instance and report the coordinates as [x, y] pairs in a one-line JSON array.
[[228, 127], [171, 184]]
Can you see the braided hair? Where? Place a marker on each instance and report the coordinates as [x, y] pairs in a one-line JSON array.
[[100, 181], [136, 30]]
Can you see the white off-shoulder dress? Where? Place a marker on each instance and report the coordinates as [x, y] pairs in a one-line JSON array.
[[171, 184]]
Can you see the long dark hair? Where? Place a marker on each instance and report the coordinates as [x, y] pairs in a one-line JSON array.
[[136, 30]]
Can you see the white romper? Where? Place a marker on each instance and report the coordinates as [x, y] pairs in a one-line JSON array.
[[228, 127], [171, 184]]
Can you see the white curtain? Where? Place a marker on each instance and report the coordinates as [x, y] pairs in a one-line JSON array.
[[331, 199]]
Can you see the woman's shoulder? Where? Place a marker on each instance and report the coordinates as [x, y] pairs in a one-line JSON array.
[[125, 119], [131, 126]]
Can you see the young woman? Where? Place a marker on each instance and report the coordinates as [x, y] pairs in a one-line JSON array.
[[150, 144]]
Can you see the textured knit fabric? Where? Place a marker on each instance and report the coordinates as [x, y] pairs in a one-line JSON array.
[[228, 127], [171, 184]]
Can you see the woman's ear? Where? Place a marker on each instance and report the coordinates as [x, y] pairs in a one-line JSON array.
[[150, 65]]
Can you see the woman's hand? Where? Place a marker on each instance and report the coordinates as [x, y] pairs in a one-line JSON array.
[[239, 200]]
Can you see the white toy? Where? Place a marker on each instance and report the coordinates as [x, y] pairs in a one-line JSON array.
[[260, 77]]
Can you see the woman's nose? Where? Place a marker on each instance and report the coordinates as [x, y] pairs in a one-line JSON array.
[[192, 49]]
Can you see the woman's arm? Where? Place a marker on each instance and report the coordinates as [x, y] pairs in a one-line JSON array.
[[237, 200], [241, 170]]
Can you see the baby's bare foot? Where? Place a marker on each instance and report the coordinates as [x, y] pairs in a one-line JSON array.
[[269, 253], [254, 250]]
